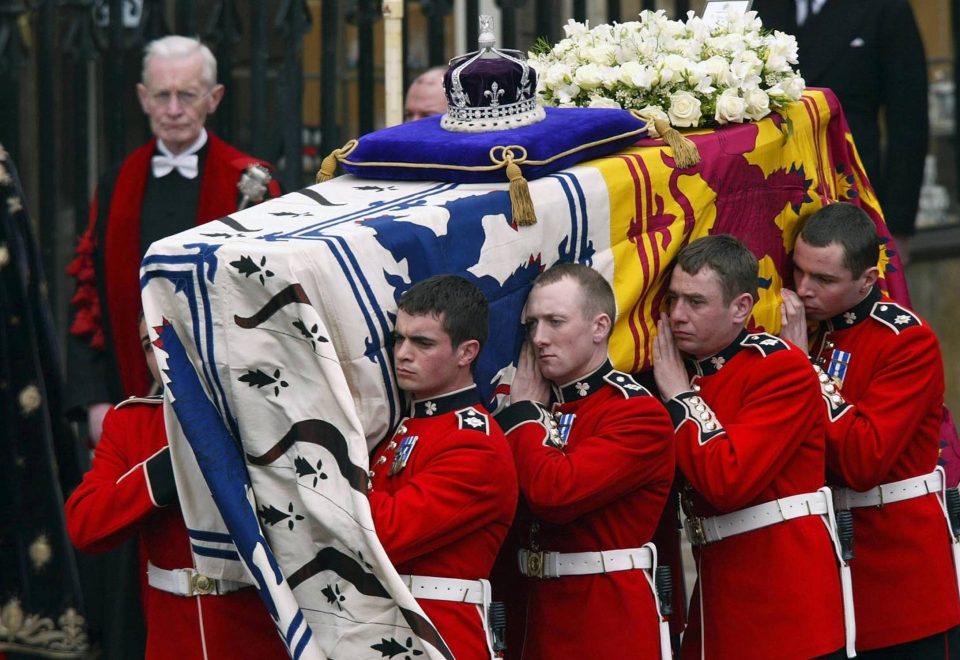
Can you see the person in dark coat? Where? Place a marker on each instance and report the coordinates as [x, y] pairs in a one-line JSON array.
[[41, 608], [870, 53]]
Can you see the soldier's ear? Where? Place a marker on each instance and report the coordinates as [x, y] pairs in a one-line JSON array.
[[742, 305], [868, 279], [601, 327], [467, 352]]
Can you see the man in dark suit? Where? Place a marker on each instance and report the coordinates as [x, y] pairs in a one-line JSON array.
[[870, 53]]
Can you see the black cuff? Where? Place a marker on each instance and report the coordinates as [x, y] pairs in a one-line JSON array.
[[677, 411], [519, 413], [163, 487]]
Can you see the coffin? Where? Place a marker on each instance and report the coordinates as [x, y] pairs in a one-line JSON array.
[[274, 326]]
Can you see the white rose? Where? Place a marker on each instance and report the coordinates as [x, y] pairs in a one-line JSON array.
[[638, 75], [602, 54], [588, 76], [793, 87], [758, 104], [597, 101], [715, 66], [730, 107], [776, 63], [684, 109]]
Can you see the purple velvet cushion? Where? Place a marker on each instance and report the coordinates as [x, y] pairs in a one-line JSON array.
[[422, 151]]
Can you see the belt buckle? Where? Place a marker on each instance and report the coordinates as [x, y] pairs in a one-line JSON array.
[[202, 585], [696, 532], [534, 564]]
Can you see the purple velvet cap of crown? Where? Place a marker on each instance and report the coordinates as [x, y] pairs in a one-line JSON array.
[[489, 90]]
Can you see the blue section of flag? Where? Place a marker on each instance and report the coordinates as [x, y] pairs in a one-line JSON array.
[[221, 461]]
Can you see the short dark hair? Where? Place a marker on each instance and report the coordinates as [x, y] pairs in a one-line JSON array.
[[734, 264], [851, 228], [597, 293], [458, 302]]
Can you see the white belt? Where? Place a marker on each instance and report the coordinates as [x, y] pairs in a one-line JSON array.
[[558, 564], [701, 531], [907, 489], [452, 589], [187, 582], [474, 592], [897, 491]]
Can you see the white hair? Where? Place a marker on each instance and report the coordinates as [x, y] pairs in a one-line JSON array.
[[176, 47]]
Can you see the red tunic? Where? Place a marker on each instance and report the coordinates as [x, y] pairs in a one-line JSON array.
[[773, 592], [107, 266], [888, 430], [130, 490], [605, 490], [445, 512]]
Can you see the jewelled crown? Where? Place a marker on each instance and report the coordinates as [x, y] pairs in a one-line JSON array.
[[491, 89]]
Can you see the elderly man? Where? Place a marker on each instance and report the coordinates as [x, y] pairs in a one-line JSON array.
[[883, 382], [426, 96], [183, 177], [750, 442], [595, 463]]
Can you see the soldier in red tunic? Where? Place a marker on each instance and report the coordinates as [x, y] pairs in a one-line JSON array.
[[595, 469], [443, 486], [882, 376], [130, 491], [750, 442]]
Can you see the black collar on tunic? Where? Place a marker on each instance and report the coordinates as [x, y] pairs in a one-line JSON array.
[[583, 387], [438, 405], [714, 363], [855, 314]]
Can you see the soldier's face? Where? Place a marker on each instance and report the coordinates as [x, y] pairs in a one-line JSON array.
[[147, 346], [426, 362], [824, 284], [567, 343], [701, 322], [177, 100]]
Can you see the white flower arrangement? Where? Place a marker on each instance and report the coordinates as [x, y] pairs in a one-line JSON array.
[[691, 73]]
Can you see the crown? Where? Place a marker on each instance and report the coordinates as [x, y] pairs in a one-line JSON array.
[[491, 89]]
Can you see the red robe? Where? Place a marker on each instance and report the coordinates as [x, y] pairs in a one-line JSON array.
[[107, 266], [130, 491], [888, 429], [773, 592], [605, 490], [446, 512]]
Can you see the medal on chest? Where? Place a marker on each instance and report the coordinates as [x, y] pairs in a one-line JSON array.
[[837, 366], [563, 426], [402, 455]]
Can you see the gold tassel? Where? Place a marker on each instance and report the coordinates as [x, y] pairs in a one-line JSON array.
[[328, 167], [521, 206], [685, 152]]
